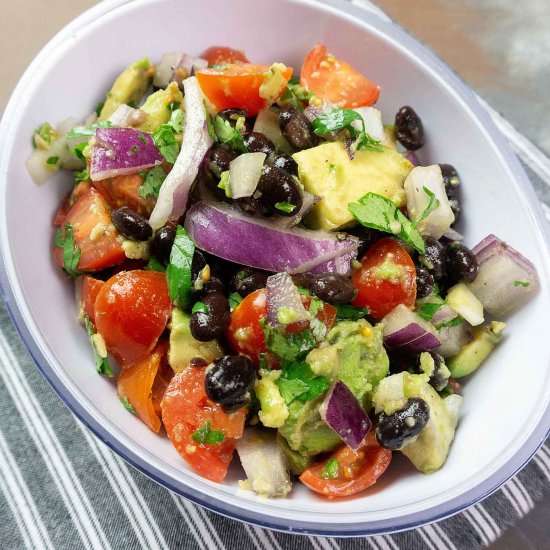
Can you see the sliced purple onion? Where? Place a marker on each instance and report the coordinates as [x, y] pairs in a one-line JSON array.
[[343, 413], [227, 232], [172, 200], [284, 304], [404, 330], [176, 66], [245, 172], [505, 279], [412, 158], [119, 151], [453, 339], [451, 235]]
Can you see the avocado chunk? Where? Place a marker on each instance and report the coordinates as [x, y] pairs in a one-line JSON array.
[[158, 107], [129, 87], [183, 347], [273, 410], [477, 350], [327, 171], [354, 354], [295, 462], [429, 450]]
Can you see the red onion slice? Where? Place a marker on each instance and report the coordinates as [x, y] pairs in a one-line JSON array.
[[412, 158], [172, 200], [228, 233], [404, 330], [119, 151], [343, 413], [284, 304]]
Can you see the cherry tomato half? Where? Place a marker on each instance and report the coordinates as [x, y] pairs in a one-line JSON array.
[[219, 55], [336, 81], [90, 290], [386, 278]]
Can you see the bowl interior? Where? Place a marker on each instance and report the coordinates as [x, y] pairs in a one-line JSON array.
[[503, 402]]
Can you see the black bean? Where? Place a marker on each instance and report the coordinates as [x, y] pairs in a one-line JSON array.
[[433, 258], [197, 264], [451, 179], [333, 288], [461, 263], [393, 430], [279, 190], [232, 115], [213, 284], [437, 379], [162, 243], [454, 203], [229, 381], [256, 142], [367, 237], [206, 326], [424, 282], [252, 206], [131, 225], [247, 280], [198, 363], [296, 128], [219, 158], [408, 128], [287, 163]]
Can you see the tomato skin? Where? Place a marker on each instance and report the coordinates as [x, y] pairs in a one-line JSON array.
[[357, 470], [90, 290], [379, 291], [105, 250], [135, 383], [336, 81], [68, 202], [218, 55], [186, 408], [236, 86], [131, 312]]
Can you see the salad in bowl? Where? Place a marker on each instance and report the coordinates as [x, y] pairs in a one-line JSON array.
[[267, 271]]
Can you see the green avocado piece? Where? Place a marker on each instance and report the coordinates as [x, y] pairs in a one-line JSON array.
[[129, 87], [429, 450], [157, 107], [273, 410], [183, 347], [327, 171], [472, 355], [295, 462]]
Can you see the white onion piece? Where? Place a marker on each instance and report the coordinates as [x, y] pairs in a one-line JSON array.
[[453, 235], [404, 330], [286, 222], [373, 122], [165, 69], [438, 220], [283, 302], [189, 65], [466, 304], [126, 116], [267, 123], [505, 279], [245, 172], [453, 339], [174, 192], [263, 463]]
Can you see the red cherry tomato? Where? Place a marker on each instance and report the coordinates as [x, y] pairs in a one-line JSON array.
[[236, 86], [186, 409], [90, 290], [354, 470], [131, 312], [219, 55], [386, 278], [336, 81]]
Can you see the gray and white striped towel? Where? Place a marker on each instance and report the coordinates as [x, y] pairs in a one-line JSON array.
[[61, 488]]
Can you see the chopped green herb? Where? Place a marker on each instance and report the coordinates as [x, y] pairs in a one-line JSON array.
[[64, 238], [176, 121], [166, 142], [52, 160], [127, 405], [234, 300], [428, 310], [209, 124], [143, 139], [298, 381], [81, 176], [318, 329], [101, 363], [285, 207], [154, 265], [303, 291], [178, 272], [225, 183], [330, 469], [134, 149], [433, 203], [378, 212], [228, 135], [205, 435], [316, 305], [521, 283], [43, 136], [87, 131], [152, 182], [200, 307], [455, 321], [286, 345], [78, 151], [350, 313], [295, 95], [291, 389], [99, 107], [173, 106]]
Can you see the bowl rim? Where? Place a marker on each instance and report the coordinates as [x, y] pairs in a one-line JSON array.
[[390, 525]]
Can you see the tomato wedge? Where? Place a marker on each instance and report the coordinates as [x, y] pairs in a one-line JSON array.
[[336, 81], [186, 409], [355, 470], [386, 278], [218, 55], [135, 384], [131, 312], [68, 202], [236, 86], [94, 234], [89, 292]]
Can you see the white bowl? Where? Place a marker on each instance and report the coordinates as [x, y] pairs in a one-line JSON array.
[[506, 413]]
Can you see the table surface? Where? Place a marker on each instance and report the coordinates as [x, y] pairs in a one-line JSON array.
[[500, 47]]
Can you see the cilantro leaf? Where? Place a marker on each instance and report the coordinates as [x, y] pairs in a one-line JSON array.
[[52, 160], [428, 310], [291, 389], [81, 176], [433, 203], [450, 323], [178, 272], [78, 150], [286, 345], [234, 300], [152, 182], [101, 363], [295, 95], [166, 142], [285, 207], [350, 313], [200, 307], [71, 253], [127, 405], [330, 469], [378, 212], [154, 265], [309, 383], [99, 107], [205, 435], [87, 131], [43, 136], [229, 135], [521, 283]]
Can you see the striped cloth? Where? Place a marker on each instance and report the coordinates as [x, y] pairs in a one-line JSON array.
[[61, 488]]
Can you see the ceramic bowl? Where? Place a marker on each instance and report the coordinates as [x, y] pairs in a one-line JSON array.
[[506, 411]]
